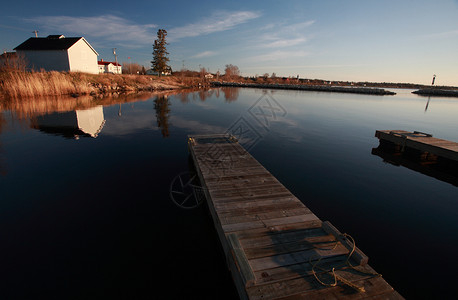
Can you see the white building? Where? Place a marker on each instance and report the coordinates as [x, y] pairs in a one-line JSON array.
[[109, 67], [58, 53]]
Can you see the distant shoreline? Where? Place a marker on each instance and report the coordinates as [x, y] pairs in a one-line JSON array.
[[314, 88], [436, 92]]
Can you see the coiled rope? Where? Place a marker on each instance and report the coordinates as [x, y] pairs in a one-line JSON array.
[[332, 271]]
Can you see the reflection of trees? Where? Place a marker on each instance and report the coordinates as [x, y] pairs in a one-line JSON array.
[[201, 94], [2, 125], [162, 107], [183, 97], [230, 93], [31, 107], [2, 122], [204, 94]]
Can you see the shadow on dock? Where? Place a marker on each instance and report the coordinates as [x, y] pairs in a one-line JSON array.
[[308, 262]]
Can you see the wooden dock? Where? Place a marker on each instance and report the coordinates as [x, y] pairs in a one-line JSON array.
[[423, 142], [275, 247]]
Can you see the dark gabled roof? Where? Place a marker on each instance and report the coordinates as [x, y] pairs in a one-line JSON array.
[[56, 36], [48, 43], [52, 42]]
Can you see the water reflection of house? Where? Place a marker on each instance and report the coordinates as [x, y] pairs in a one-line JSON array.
[[72, 124]]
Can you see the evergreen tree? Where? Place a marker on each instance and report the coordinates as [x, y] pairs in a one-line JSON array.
[[162, 107], [160, 59]]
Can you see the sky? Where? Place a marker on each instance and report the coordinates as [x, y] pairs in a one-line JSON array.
[[379, 41]]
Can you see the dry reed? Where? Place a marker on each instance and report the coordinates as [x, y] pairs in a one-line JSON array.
[[16, 84]]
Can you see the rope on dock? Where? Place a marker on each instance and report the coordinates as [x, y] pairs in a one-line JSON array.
[[346, 264]]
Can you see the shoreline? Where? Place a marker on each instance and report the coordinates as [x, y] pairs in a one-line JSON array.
[[436, 92], [19, 85], [314, 88]]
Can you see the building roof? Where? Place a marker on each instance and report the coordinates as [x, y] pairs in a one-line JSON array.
[[56, 36], [51, 42], [7, 55], [104, 63]]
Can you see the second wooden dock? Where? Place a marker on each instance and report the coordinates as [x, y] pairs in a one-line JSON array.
[[275, 246], [420, 141]]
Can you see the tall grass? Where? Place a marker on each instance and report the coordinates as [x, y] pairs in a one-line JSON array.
[[17, 84]]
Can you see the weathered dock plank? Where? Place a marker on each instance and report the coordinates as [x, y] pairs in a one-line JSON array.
[[275, 247], [420, 141]]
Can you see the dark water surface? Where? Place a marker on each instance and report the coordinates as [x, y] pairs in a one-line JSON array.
[[85, 211]]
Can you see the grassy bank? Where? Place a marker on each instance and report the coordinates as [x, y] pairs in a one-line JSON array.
[[17, 84]]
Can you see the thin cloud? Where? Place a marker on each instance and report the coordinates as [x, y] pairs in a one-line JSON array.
[[15, 28], [204, 54], [284, 35], [296, 67], [336, 66], [216, 23], [442, 35], [279, 55], [299, 26], [285, 42], [195, 126], [106, 27], [287, 26]]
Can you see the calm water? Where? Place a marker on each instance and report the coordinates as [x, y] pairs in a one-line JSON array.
[[85, 210]]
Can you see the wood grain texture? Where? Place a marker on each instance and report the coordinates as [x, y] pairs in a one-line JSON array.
[[273, 243]]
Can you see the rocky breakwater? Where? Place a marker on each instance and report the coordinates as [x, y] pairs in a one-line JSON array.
[[315, 88], [436, 92]]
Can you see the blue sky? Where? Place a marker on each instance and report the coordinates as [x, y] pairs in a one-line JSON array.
[[393, 41]]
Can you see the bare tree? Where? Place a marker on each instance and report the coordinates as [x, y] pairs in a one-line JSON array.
[[12, 61], [231, 71], [203, 71], [131, 68]]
